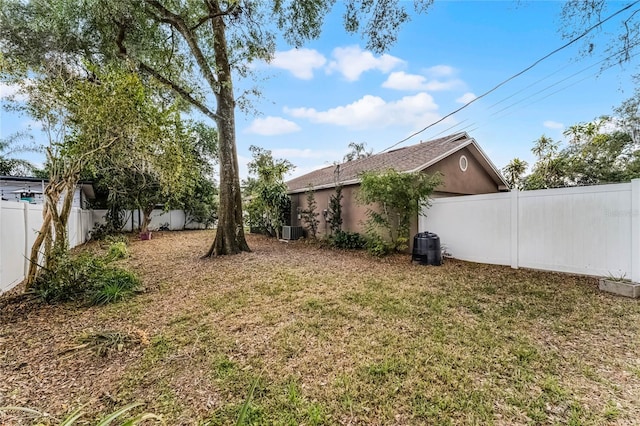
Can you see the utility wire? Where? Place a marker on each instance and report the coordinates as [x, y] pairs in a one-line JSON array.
[[569, 43], [529, 86], [568, 78], [552, 93], [492, 118]]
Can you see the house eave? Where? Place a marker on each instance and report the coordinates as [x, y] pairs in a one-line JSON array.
[[325, 186], [477, 152]]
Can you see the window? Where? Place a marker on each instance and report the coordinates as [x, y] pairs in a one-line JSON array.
[[463, 163]]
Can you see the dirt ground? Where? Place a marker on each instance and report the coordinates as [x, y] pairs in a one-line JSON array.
[[327, 337]]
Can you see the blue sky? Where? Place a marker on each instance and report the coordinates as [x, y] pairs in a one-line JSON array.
[[319, 98]]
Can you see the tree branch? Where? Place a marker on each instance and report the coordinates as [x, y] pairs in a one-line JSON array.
[[162, 79], [178, 23], [204, 19], [179, 90]]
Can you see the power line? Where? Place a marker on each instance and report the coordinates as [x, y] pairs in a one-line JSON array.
[[565, 79], [552, 93], [529, 86], [569, 43]]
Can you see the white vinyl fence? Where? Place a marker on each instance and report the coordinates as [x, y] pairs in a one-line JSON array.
[[174, 220], [19, 225], [592, 230]]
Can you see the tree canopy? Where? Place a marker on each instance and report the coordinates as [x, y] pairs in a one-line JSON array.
[[9, 164], [619, 44], [192, 48]]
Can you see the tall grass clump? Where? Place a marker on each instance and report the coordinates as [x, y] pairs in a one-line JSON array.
[[87, 278]]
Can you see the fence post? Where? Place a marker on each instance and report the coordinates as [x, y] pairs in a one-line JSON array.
[[635, 230], [515, 195], [26, 237], [1, 268]]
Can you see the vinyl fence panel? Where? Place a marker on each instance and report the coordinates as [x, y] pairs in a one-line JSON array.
[[474, 228], [19, 227], [12, 243], [591, 230]]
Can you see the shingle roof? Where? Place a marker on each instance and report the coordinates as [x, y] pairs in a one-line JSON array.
[[410, 158]]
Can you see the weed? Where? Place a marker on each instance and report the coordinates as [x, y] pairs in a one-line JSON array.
[[113, 286], [117, 250], [101, 343], [86, 278], [611, 411], [75, 415]]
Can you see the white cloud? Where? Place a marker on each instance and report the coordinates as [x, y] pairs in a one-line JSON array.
[[299, 62], [400, 80], [302, 153], [441, 71], [352, 61], [11, 91], [270, 126], [466, 98], [373, 111], [553, 125]]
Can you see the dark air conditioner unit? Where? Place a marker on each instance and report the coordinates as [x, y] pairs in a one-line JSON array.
[[292, 232]]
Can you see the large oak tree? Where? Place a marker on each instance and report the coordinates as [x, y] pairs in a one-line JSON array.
[[192, 47]]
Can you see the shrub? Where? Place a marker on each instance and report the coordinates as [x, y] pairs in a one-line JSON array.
[[70, 280], [117, 238], [114, 285], [335, 211], [309, 215], [117, 251], [86, 278], [104, 231], [399, 197], [377, 246], [348, 240]]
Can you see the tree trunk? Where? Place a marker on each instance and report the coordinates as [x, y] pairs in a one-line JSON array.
[[53, 233], [45, 231], [146, 219], [230, 237]]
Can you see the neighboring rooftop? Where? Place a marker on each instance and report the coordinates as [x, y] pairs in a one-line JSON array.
[[85, 186], [408, 159]]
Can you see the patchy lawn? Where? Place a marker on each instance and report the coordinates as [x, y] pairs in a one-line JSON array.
[[329, 337]]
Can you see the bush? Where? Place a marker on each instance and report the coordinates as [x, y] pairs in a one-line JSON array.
[[103, 231], [114, 285], [117, 251], [86, 278], [69, 280], [377, 246], [117, 238], [348, 240]]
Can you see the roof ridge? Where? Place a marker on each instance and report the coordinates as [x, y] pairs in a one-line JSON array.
[[412, 157]]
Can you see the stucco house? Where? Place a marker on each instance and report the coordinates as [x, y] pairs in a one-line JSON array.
[[465, 169]]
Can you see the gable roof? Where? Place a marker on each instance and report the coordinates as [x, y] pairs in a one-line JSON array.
[[408, 159]]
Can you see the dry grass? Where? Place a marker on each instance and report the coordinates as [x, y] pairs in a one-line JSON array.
[[331, 337]]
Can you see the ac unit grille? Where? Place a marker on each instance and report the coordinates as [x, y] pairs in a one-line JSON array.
[[292, 232]]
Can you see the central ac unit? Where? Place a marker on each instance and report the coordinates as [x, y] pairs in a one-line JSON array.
[[292, 232]]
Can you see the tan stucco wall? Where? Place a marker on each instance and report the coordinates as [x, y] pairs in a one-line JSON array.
[[353, 214], [475, 180]]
